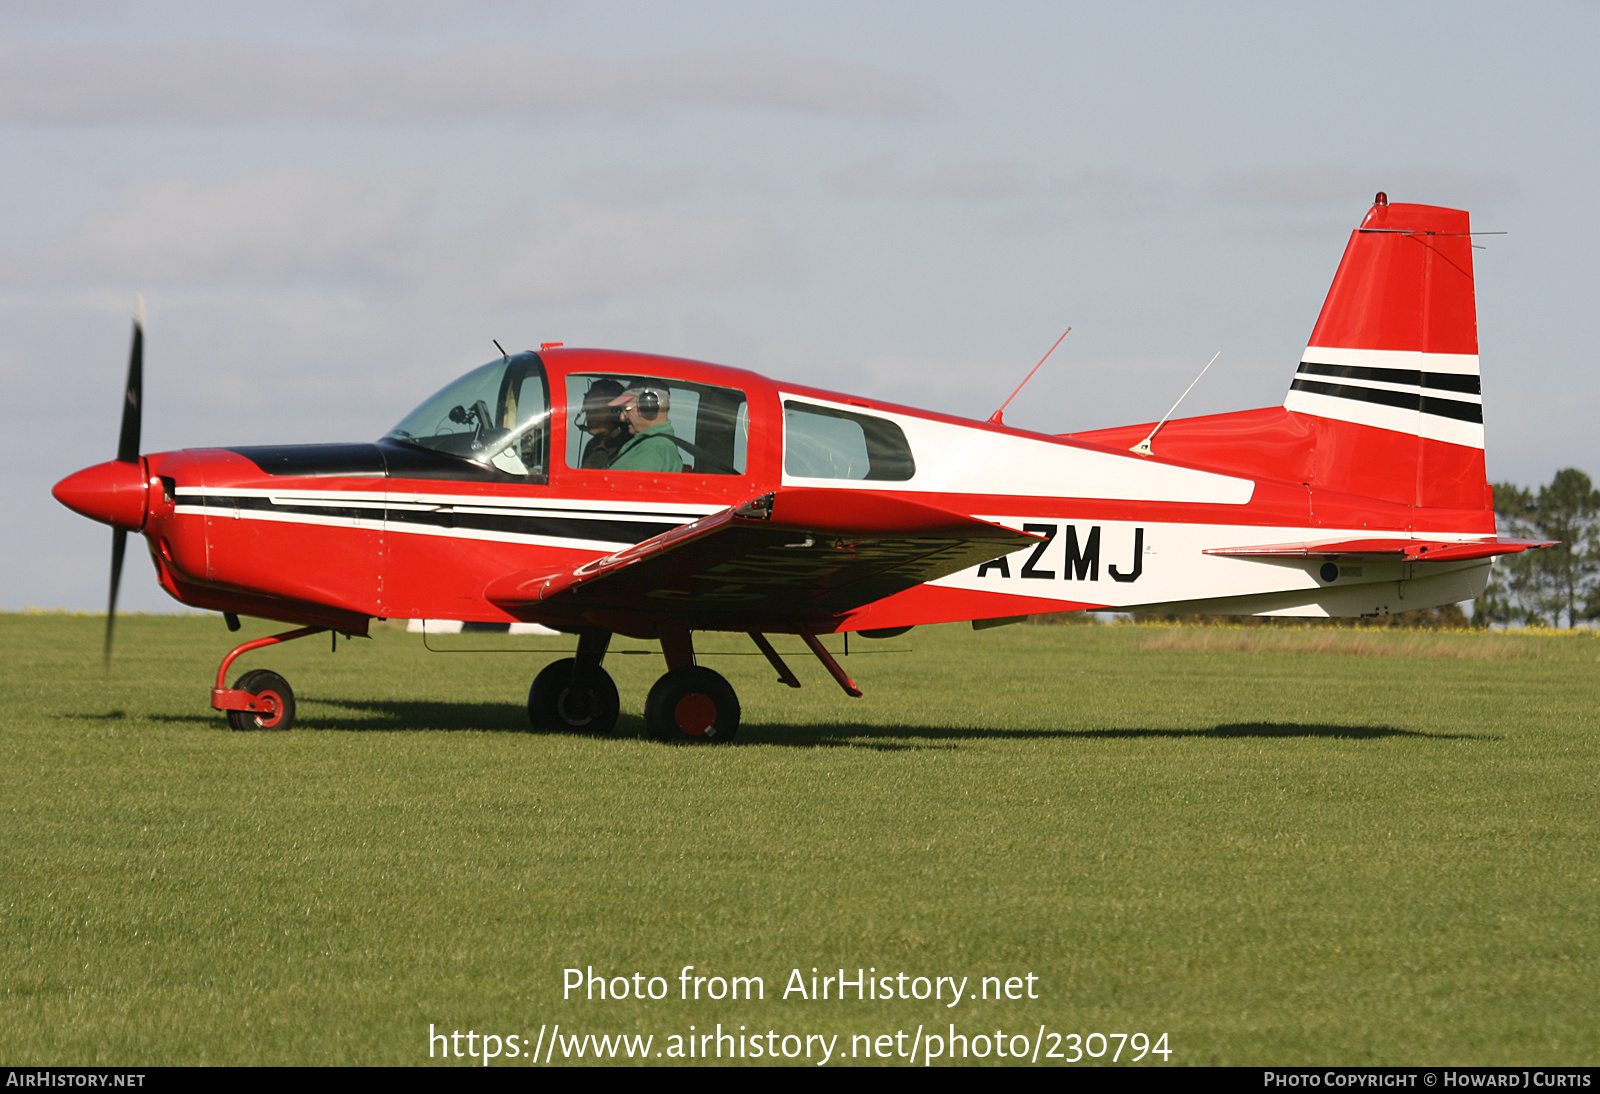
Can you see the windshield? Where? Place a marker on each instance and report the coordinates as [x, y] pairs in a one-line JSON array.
[[495, 415]]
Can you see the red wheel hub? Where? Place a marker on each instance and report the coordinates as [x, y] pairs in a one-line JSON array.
[[274, 712], [695, 714]]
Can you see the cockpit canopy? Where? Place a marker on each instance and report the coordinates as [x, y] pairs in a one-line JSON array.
[[497, 415]]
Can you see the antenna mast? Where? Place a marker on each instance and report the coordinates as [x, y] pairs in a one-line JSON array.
[[1143, 447], [995, 417]]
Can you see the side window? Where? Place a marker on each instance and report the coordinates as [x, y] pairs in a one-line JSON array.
[[703, 429], [822, 443]]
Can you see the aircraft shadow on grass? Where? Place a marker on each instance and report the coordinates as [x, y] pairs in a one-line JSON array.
[[895, 737], [425, 716]]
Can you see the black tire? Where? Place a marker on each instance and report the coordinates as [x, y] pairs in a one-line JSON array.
[[692, 706], [552, 705], [263, 683]]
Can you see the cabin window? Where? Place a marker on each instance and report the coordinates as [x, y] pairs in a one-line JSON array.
[[822, 443], [496, 416], [710, 426]]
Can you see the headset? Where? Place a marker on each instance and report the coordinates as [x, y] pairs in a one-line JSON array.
[[648, 404]]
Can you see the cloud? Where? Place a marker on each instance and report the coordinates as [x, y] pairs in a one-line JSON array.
[[293, 227], [1316, 187], [1104, 193], [584, 252], [975, 180], [412, 16], [1115, 193], [644, 180], [228, 82], [963, 180], [276, 225], [54, 11]]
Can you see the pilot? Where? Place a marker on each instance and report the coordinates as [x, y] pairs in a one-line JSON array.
[[604, 425], [651, 447]]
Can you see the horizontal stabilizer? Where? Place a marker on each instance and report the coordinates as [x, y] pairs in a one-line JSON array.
[[1378, 550]]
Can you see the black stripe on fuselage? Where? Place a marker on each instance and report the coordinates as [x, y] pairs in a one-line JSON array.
[[304, 460], [1405, 400], [1437, 381], [595, 529]]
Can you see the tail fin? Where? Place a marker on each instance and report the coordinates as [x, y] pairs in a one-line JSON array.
[[1386, 403], [1392, 366], [1396, 355]]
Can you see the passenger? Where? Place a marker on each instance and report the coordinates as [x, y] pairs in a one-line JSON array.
[[651, 447], [603, 424]]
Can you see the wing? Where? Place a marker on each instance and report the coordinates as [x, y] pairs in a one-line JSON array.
[[795, 554]]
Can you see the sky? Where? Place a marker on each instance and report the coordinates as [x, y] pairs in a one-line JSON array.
[[332, 209]]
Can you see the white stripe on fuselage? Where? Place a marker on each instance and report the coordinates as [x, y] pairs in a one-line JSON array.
[[376, 524], [961, 459], [657, 512]]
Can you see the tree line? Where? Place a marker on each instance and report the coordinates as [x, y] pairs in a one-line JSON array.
[[1558, 586]]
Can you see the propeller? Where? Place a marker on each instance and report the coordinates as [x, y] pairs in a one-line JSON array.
[[127, 452]]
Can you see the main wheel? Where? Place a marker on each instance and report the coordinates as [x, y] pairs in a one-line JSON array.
[[692, 705], [553, 704], [278, 695]]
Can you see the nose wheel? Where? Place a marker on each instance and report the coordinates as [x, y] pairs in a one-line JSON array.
[[692, 705], [274, 702], [556, 702]]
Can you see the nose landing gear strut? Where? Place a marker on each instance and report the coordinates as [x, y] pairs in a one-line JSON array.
[[259, 699]]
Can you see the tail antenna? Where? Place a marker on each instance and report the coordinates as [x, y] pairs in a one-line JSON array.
[[995, 418], [1143, 447]]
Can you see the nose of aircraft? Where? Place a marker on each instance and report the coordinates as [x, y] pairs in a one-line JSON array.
[[114, 493]]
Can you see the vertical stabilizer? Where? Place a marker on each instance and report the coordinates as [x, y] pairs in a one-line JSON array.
[[1389, 381]]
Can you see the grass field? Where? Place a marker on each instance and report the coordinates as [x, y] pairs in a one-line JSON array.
[[1275, 846]]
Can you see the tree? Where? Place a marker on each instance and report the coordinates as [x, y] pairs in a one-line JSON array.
[[1557, 586]]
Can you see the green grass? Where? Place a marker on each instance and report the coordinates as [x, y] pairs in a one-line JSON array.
[[1274, 849]]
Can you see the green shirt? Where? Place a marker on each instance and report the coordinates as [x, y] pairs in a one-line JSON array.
[[652, 450]]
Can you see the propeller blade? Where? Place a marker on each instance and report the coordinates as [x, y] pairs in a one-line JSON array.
[[119, 547], [127, 452], [133, 397]]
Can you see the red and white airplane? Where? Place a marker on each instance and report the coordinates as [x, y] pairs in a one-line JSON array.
[[784, 509]]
